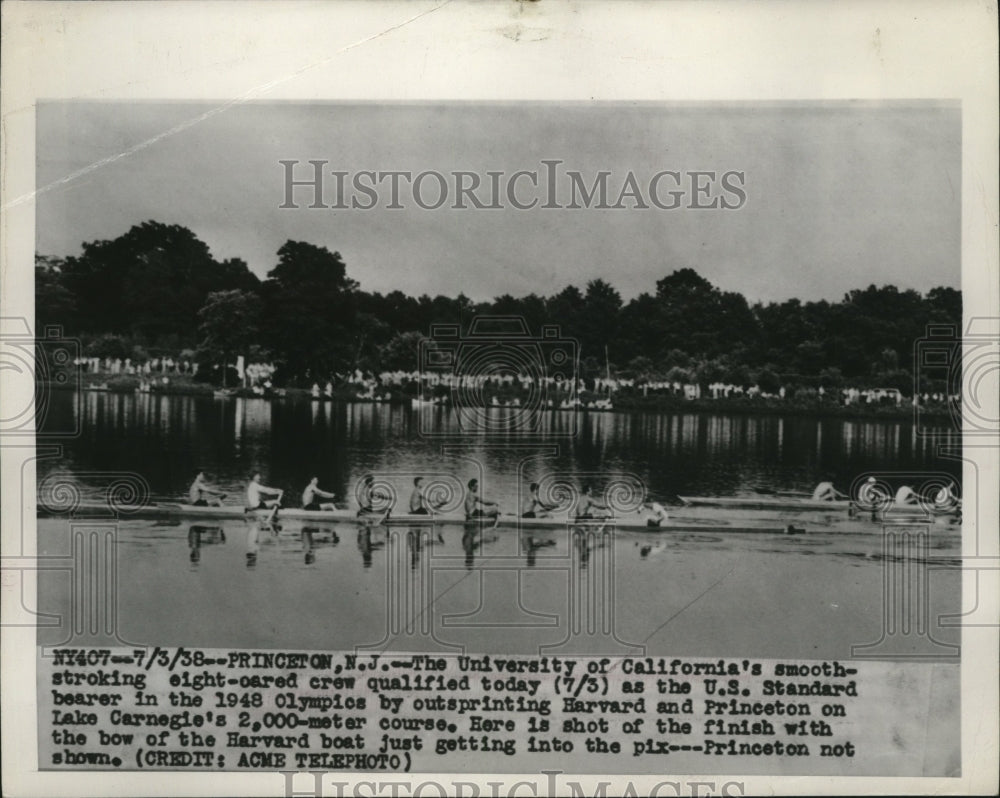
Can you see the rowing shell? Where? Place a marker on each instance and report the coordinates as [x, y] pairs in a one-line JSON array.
[[167, 511], [803, 505]]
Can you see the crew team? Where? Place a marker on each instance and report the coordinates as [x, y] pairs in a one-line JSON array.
[[314, 498]]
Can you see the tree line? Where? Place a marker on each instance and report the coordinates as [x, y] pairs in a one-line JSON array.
[[158, 290]]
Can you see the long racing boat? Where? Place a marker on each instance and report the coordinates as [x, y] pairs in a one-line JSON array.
[[634, 522], [801, 504]]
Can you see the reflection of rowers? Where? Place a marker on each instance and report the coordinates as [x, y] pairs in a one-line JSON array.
[[532, 544], [199, 536], [652, 549], [473, 539], [366, 545], [312, 537], [253, 544], [585, 540]]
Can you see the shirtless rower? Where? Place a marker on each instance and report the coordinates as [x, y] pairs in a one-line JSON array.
[[587, 504], [476, 506], [534, 507], [367, 494], [312, 494], [871, 494], [201, 494], [419, 505], [256, 500], [826, 492], [948, 496], [906, 496]]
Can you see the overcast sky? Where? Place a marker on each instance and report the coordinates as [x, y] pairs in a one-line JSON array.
[[837, 196]]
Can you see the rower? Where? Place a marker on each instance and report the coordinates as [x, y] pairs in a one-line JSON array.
[[200, 493], [660, 516], [587, 503], [826, 492], [367, 496], [476, 506], [256, 500], [534, 507], [870, 494], [312, 492], [906, 496], [948, 496], [418, 501]]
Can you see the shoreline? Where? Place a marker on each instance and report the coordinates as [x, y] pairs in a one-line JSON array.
[[623, 402]]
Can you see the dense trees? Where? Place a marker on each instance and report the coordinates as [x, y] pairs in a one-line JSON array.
[[310, 310], [158, 288], [149, 283], [230, 326]]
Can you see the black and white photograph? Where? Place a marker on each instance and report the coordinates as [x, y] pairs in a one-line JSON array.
[[400, 434]]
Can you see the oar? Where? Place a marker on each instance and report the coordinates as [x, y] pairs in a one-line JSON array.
[[274, 510]]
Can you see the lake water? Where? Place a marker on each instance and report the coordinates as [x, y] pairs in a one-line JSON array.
[[447, 589], [167, 439]]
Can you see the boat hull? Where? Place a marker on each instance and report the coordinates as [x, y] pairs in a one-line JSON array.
[[803, 505]]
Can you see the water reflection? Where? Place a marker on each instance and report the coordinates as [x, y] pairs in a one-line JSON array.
[[317, 537], [474, 539], [532, 543], [199, 536], [586, 540], [369, 541]]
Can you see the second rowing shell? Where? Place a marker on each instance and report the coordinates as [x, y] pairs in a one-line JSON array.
[[168, 511], [802, 505]]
